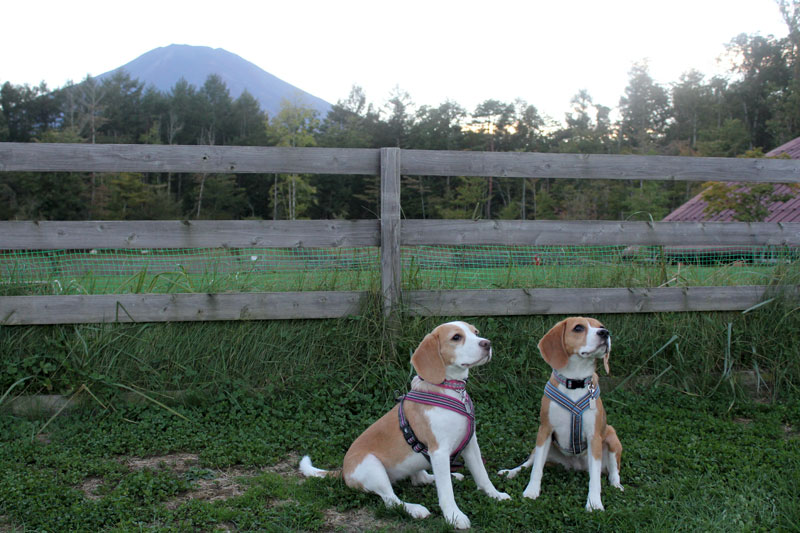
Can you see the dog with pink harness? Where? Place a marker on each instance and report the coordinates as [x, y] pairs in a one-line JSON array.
[[442, 416]]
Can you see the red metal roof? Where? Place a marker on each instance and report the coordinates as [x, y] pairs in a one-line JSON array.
[[792, 148], [694, 209]]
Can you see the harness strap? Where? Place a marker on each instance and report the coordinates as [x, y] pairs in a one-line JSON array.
[[465, 409], [408, 434], [577, 444]]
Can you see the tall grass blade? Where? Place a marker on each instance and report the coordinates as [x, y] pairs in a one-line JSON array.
[[8, 390], [60, 409], [727, 366], [759, 379], [116, 312], [632, 374], [659, 376], [148, 398], [93, 396], [753, 308]]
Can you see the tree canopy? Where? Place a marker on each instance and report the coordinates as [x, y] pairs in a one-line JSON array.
[[755, 107]]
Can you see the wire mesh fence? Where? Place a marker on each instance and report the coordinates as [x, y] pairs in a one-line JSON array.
[[476, 267], [103, 271]]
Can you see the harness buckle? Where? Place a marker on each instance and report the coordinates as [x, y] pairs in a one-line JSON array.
[[574, 383]]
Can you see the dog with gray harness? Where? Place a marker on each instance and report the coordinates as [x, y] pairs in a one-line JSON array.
[[572, 426]]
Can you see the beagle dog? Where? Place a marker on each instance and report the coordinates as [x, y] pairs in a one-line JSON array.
[[573, 411], [441, 415]]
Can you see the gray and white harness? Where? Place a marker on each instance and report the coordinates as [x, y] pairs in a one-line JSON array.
[[577, 444]]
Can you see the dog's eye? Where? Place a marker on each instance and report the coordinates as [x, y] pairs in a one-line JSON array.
[[457, 337], [578, 329]]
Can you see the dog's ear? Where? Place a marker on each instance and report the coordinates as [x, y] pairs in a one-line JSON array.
[[605, 361], [552, 346], [428, 361]]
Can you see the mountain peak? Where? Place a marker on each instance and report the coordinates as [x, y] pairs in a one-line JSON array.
[[163, 67]]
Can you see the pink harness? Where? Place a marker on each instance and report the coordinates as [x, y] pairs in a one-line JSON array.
[[464, 408]]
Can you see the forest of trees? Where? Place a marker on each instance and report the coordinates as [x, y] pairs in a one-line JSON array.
[[753, 109]]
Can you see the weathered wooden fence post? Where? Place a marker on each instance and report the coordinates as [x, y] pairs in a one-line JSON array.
[[390, 229]]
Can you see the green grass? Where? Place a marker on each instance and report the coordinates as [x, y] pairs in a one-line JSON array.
[[700, 453], [690, 464]]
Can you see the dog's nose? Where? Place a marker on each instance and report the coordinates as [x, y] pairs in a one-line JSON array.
[[603, 333], [485, 344]]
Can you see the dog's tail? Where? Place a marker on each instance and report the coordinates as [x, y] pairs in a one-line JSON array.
[[309, 470]]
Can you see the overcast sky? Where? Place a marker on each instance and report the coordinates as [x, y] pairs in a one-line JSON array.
[[541, 51]]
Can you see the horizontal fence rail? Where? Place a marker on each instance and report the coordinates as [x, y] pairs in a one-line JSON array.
[[598, 166], [586, 301], [47, 235], [103, 308], [106, 308], [146, 234], [167, 158], [43, 157], [590, 233], [389, 233]]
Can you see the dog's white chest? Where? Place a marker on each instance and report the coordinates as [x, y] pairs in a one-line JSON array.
[[448, 427]]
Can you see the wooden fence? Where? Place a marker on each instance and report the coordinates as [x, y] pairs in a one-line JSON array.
[[389, 232]]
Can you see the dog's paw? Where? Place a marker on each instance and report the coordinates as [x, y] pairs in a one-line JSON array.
[[457, 476], [531, 492], [416, 510], [458, 520], [619, 486], [497, 495], [510, 473], [422, 478], [594, 504]]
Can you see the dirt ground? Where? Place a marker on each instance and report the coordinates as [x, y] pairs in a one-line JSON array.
[[227, 483]]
